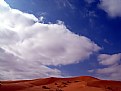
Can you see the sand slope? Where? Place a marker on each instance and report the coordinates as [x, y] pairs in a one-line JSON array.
[[83, 83]]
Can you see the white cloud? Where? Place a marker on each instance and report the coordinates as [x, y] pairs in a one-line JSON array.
[[113, 66], [34, 45], [106, 59], [41, 19], [111, 72], [112, 7], [50, 44], [107, 70], [12, 68]]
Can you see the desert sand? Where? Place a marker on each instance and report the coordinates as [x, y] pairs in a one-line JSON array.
[[82, 83]]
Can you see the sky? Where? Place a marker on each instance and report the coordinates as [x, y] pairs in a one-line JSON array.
[[60, 38]]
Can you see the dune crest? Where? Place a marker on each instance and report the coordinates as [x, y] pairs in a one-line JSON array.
[[82, 83]]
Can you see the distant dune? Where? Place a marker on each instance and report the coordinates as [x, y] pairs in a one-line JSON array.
[[82, 83]]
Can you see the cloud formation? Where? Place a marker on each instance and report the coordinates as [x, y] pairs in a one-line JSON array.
[[113, 66], [12, 68], [106, 59], [29, 47], [112, 7]]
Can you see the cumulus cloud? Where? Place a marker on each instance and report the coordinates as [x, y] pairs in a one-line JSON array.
[[113, 66], [27, 46], [112, 7], [106, 59], [111, 72], [12, 67]]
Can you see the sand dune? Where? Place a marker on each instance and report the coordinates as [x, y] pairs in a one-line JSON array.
[[83, 83]]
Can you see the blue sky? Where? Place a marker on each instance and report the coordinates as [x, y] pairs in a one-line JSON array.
[[99, 21]]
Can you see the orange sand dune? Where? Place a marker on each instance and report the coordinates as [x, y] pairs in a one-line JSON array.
[[83, 83]]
